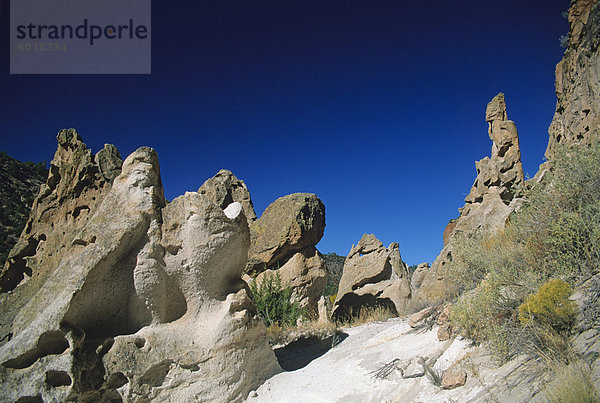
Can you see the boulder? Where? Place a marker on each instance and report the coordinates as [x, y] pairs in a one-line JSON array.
[[146, 302], [224, 188], [444, 332], [454, 379], [288, 225], [445, 328], [283, 240], [373, 275], [415, 369], [417, 318]]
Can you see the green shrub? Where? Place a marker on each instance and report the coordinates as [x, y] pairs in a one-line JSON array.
[[273, 302], [550, 306], [560, 223], [486, 314]]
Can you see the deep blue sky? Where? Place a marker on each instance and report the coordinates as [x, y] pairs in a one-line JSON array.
[[376, 106]]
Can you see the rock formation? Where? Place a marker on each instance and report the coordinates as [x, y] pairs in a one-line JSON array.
[[418, 276], [503, 172], [373, 275], [283, 240], [224, 188], [492, 197], [75, 186], [146, 299], [77, 183], [577, 116]]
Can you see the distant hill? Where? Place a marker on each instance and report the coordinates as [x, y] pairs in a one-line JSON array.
[[19, 185], [335, 264]]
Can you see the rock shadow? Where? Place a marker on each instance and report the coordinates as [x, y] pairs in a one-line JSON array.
[[301, 352]]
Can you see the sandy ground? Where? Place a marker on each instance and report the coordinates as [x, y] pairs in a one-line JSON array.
[[345, 373]]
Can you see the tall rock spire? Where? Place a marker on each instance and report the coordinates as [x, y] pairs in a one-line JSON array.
[[503, 170], [491, 200]]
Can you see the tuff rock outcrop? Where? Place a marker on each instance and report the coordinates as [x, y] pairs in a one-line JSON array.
[[145, 302], [224, 188], [305, 273], [419, 275], [373, 275], [283, 241], [77, 183], [503, 172], [491, 200], [577, 116]]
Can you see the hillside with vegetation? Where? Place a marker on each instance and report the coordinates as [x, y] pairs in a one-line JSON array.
[[335, 265], [19, 185]]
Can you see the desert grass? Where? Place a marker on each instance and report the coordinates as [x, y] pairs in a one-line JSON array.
[[311, 327], [281, 335], [366, 315], [573, 384]]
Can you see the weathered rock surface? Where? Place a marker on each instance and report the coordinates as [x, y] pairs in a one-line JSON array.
[[577, 117], [586, 337], [305, 273], [419, 275], [146, 302], [373, 275], [418, 317], [448, 230], [283, 240], [491, 200], [288, 225], [454, 379], [324, 309], [74, 187], [224, 188], [503, 171], [77, 183], [443, 321]]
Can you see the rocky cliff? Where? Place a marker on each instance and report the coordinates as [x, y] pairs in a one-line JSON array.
[[577, 116]]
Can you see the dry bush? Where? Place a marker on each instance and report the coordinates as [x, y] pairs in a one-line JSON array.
[[281, 335], [556, 235], [414, 305]]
